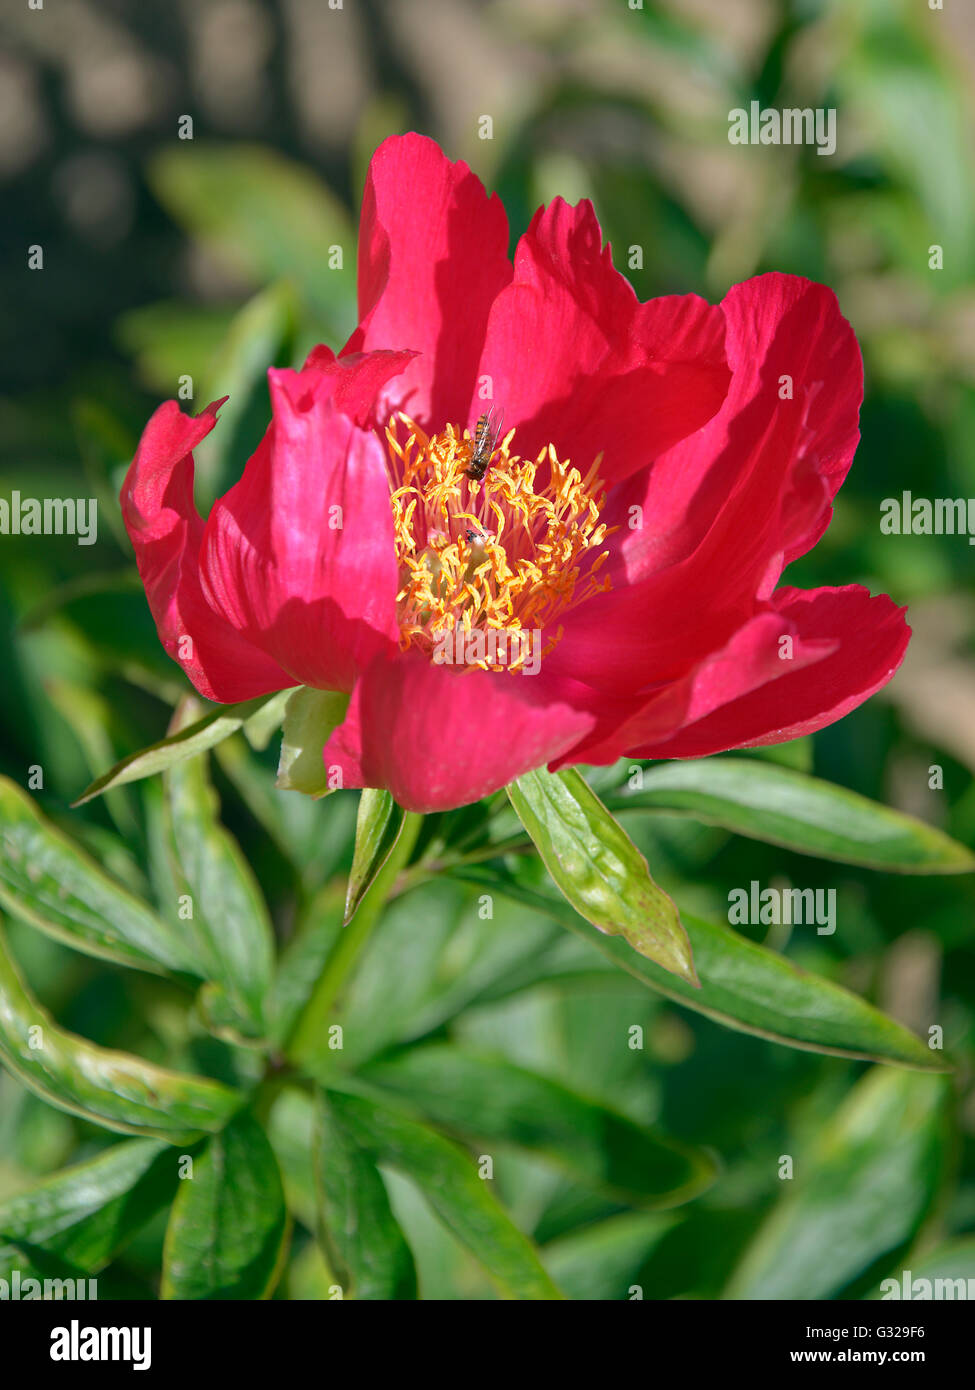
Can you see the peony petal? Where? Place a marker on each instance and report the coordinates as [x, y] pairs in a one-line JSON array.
[[726, 509], [299, 555], [753, 657], [869, 637], [356, 381], [166, 531], [433, 255], [439, 738], [752, 490], [576, 359]]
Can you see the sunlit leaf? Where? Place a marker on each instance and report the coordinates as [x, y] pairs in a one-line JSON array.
[[379, 825], [87, 1213], [265, 722], [596, 865], [112, 1089], [49, 881], [744, 985], [311, 837], [798, 812], [197, 737], [309, 719]]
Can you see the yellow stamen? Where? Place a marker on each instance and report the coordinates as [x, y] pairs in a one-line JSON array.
[[493, 553]]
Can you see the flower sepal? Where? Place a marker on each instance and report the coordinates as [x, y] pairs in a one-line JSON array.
[[310, 717]]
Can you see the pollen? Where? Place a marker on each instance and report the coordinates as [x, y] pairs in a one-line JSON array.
[[511, 551]]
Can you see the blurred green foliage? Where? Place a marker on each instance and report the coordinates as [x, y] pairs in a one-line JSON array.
[[225, 271]]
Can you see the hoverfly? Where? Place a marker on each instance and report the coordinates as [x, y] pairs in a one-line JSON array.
[[485, 442]]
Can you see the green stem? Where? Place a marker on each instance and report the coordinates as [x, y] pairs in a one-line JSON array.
[[310, 1031], [427, 869], [269, 1090]]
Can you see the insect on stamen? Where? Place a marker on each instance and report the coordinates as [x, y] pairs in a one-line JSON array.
[[486, 434], [501, 556]]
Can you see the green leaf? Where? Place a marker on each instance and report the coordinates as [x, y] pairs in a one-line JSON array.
[[302, 961], [168, 339], [860, 1195], [90, 718], [309, 1045], [269, 217], [595, 1144], [408, 959], [290, 1126], [124, 863], [111, 1089], [598, 868], [448, 1179], [363, 1243], [19, 1258], [378, 826], [802, 813], [106, 447], [307, 835], [261, 727], [230, 927], [745, 986], [187, 743], [923, 146], [797, 753], [49, 881], [309, 719], [93, 583], [603, 1260], [228, 1231], [87, 1213]]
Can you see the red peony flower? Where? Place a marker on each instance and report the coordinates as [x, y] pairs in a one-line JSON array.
[[595, 578]]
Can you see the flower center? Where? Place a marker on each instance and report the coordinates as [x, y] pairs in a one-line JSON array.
[[490, 541]]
